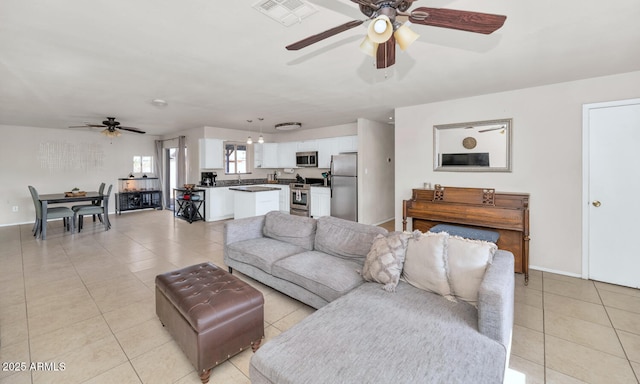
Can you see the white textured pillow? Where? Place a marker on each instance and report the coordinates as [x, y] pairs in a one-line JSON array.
[[467, 261], [383, 263], [425, 265]]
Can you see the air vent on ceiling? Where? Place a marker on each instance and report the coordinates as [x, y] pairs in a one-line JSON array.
[[285, 12]]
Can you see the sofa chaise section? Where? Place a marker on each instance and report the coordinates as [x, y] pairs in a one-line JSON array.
[[410, 336]]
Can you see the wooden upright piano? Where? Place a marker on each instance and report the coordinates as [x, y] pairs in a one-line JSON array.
[[482, 208]]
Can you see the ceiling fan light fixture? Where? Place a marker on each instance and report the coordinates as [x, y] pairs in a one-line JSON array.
[[110, 133], [380, 29], [368, 47], [405, 36]]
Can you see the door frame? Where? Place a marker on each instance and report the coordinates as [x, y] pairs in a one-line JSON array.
[[586, 171]]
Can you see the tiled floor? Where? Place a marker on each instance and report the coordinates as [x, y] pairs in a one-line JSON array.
[[87, 301]]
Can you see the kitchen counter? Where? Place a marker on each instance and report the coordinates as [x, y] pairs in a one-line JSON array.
[[255, 188]]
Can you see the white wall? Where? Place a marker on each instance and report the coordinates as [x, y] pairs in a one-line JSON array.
[[56, 160], [375, 172], [547, 156]]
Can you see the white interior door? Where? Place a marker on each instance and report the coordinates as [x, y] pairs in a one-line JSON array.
[[612, 190]]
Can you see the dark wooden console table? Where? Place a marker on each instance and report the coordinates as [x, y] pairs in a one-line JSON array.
[[482, 208]]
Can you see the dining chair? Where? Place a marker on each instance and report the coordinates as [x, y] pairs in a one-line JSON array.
[[64, 213], [90, 209], [93, 203]]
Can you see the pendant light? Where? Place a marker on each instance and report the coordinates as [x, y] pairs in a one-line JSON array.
[[261, 139], [249, 140]]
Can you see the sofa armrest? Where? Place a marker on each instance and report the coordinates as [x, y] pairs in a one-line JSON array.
[[243, 229], [495, 299]]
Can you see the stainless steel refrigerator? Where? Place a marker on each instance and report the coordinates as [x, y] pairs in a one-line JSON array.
[[344, 186]]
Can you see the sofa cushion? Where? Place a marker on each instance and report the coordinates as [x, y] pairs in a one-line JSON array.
[[425, 264], [296, 230], [369, 336], [467, 262], [346, 239], [384, 261], [327, 276], [261, 252]]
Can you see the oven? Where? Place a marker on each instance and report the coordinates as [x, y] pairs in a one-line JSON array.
[[300, 199]]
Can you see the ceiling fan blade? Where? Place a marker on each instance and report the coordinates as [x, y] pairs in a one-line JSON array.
[[477, 22], [88, 126], [323, 35], [131, 129], [386, 54]]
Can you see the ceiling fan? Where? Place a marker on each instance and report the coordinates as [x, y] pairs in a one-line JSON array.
[[386, 29], [112, 127]]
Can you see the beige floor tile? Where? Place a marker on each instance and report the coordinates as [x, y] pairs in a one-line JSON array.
[[294, 318], [23, 377], [529, 317], [528, 344], [163, 364], [131, 315], [586, 333], [631, 344], [528, 296], [277, 307], [621, 301], [555, 377], [225, 373], [535, 280], [617, 288], [586, 364], [636, 369], [116, 293], [123, 374], [46, 346], [13, 332], [522, 371], [16, 352], [626, 321], [142, 338], [13, 313], [576, 308], [84, 363], [575, 288], [41, 322]]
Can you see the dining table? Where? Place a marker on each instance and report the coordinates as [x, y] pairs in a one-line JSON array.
[[60, 198]]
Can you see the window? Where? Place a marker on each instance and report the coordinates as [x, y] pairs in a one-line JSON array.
[[143, 164], [236, 158]]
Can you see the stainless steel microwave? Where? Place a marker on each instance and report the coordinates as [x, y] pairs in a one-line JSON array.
[[307, 159]]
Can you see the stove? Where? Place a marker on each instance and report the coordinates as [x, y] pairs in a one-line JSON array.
[[300, 199]]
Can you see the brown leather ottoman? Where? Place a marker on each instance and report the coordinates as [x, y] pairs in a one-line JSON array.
[[211, 314]]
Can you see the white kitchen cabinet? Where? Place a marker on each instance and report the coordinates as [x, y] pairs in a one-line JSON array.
[[333, 146], [284, 198], [287, 154], [270, 155], [219, 203], [345, 144], [307, 145], [257, 155], [320, 201], [247, 204], [325, 150], [211, 154]]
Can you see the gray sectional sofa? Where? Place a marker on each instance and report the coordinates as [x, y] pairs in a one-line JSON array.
[[362, 333]]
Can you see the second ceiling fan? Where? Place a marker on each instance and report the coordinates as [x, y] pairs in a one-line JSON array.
[[385, 29]]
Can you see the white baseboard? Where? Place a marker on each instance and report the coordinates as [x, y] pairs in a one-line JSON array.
[[557, 272]]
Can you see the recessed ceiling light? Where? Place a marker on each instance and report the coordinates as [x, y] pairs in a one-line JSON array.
[[159, 103]]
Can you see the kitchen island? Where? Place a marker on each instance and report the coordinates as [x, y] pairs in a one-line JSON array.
[[254, 200]]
